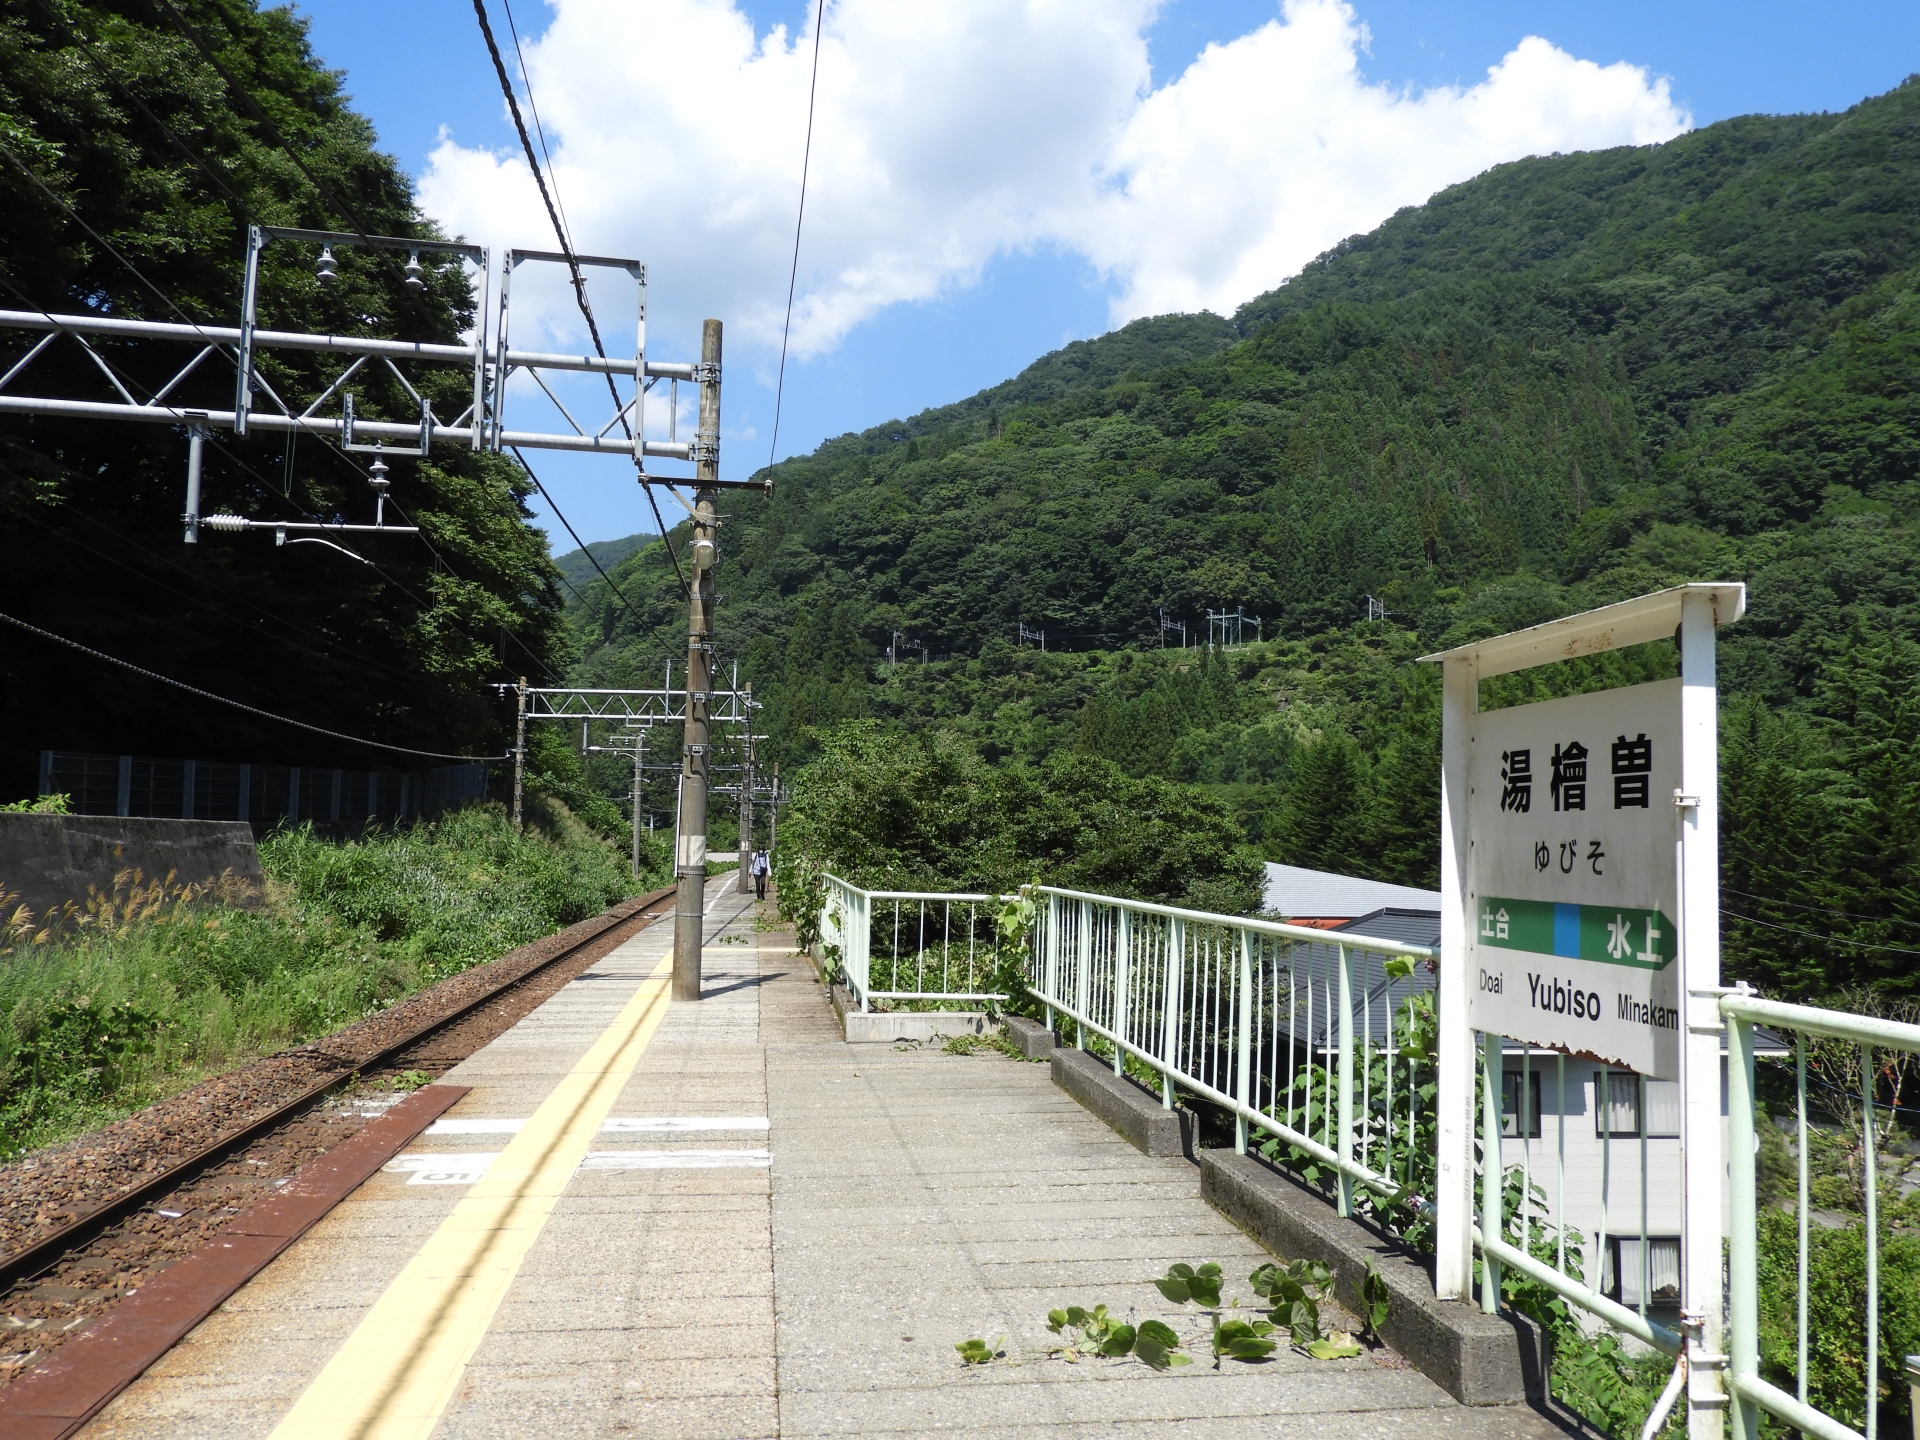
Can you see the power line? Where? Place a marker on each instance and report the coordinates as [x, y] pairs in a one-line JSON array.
[[1816, 935], [652, 628], [793, 276], [1819, 909], [534, 105], [553, 214], [236, 704]]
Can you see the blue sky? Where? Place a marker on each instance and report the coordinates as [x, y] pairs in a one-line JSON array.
[[417, 68]]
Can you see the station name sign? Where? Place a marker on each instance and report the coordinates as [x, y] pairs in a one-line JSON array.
[[1573, 875]]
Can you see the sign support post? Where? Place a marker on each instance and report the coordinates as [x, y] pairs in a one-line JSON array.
[[1698, 804], [1580, 892], [1453, 1100]]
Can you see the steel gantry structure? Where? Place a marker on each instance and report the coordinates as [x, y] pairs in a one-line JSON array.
[[488, 360]]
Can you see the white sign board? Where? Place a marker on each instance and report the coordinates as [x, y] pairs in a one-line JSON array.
[[1573, 875]]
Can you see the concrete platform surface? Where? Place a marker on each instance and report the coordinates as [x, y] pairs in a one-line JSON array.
[[720, 1220]]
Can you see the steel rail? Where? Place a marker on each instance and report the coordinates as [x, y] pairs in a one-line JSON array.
[[25, 1263], [330, 344]]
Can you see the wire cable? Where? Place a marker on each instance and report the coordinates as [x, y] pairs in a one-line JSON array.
[[793, 276], [539, 130], [1818, 909], [638, 617], [1816, 935], [236, 704], [553, 214]]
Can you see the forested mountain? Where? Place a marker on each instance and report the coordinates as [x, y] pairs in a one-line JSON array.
[[137, 142], [1572, 379]]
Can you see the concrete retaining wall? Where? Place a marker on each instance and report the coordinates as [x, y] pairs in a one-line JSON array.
[[1477, 1358], [51, 859]]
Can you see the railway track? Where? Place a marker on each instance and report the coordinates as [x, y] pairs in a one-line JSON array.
[[135, 1231]]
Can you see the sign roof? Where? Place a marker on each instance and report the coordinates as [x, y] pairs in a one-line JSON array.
[[1594, 632]]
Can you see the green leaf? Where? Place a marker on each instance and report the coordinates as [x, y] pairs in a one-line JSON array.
[[1174, 1289], [1119, 1340], [1153, 1353], [1056, 1320], [1399, 967], [1337, 1346], [1250, 1348], [974, 1352], [1160, 1334]]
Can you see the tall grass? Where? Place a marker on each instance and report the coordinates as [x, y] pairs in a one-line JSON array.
[[136, 995]]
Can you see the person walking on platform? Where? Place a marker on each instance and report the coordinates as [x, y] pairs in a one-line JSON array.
[[759, 868]]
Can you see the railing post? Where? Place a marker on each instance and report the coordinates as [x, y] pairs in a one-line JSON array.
[[1343, 1079], [1492, 1225], [1122, 931], [1453, 1101], [1049, 928], [1170, 1021], [1082, 968], [863, 933], [1743, 1258], [1243, 1067]]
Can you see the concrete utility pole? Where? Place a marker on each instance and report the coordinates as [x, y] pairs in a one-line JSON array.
[[519, 748], [746, 788], [690, 852], [639, 765]]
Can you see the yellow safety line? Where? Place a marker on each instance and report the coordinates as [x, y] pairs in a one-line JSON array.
[[394, 1376]]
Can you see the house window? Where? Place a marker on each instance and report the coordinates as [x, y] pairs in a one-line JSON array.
[[1624, 1100], [1512, 1117], [1628, 1271]]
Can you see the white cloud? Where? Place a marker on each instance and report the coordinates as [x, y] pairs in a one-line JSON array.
[[950, 131], [1272, 148]]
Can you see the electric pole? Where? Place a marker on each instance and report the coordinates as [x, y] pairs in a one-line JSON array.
[[519, 748], [690, 851], [746, 787]]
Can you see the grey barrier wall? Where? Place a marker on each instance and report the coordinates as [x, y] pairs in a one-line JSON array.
[[262, 795], [47, 860]]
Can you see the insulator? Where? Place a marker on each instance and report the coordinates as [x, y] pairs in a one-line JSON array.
[[224, 522], [414, 282], [326, 270], [377, 474]]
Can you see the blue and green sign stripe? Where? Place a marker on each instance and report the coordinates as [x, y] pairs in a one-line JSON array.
[[1638, 939]]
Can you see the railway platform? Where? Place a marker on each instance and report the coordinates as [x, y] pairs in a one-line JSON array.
[[721, 1220]]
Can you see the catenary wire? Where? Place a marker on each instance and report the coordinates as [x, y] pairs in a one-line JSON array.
[[563, 232], [553, 214], [79, 544], [793, 276], [539, 129], [236, 704], [652, 629]]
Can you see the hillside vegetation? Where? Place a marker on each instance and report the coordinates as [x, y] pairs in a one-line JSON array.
[[1570, 380]]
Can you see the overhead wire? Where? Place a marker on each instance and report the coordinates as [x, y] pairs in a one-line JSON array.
[[793, 276], [563, 234], [553, 214], [591, 559], [236, 704]]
